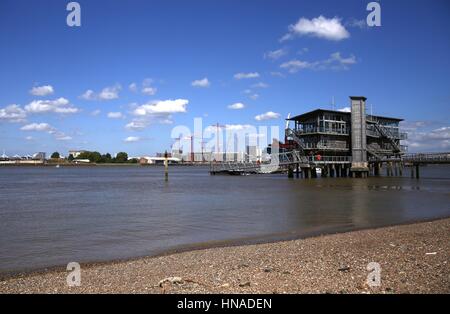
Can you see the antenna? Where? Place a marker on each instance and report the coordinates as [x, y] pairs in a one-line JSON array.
[[332, 102]]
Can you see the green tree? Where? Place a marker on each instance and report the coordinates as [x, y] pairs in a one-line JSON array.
[[122, 157], [70, 158], [55, 155], [95, 157], [106, 158], [83, 155]]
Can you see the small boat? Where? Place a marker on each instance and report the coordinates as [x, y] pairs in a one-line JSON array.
[[57, 166], [319, 170]]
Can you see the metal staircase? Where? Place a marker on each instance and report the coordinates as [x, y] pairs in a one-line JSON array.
[[384, 132], [291, 133]]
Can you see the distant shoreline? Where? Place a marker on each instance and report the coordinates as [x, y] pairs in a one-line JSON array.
[[102, 165], [413, 257]]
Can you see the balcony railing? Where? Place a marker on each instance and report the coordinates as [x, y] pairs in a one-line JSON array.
[[310, 130], [328, 145], [371, 130]]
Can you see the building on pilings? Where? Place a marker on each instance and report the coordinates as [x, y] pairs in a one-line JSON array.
[[349, 135]]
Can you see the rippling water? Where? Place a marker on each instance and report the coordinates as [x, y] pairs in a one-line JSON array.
[[51, 216]]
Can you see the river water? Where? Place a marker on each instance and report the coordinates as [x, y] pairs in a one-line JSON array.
[[52, 216]]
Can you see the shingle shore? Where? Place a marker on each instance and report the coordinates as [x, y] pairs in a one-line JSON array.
[[413, 258]]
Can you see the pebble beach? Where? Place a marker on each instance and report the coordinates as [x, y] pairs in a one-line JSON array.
[[413, 258]]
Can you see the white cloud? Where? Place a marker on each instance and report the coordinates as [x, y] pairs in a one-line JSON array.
[[131, 139], [42, 90], [133, 87], [275, 54], [107, 93], [60, 105], [149, 91], [320, 27], [426, 136], [236, 106], [336, 57], [89, 95], [295, 65], [159, 111], [162, 107], [63, 137], [254, 96], [29, 138], [267, 116], [260, 85], [345, 109], [204, 82], [45, 127], [240, 76], [96, 112], [13, 113], [39, 127], [357, 23], [334, 62], [115, 115], [136, 125]]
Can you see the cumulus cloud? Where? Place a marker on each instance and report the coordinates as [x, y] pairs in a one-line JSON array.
[[115, 115], [131, 139], [159, 111], [13, 113], [240, 76], [60, 105], [334, 62], [320, 27], [162, 107], [270, 115], [107, 93], [345, 109], [45, 127], [275, 54], [295, 65], [137, 125], [426, 136], [40, 127], [133, 87], [42, 90], [204, 82], [236, 106], [149, 91]]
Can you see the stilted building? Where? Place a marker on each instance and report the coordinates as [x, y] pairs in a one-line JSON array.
[[364, 140]]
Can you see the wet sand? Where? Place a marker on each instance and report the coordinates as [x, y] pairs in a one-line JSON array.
[[413, 258]]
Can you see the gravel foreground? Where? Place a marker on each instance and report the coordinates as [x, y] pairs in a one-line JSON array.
[[413, 258]]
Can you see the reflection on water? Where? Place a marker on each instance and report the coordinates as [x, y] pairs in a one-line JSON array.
[[52, 216]]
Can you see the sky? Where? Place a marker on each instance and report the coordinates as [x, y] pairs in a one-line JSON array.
[[136, 70]]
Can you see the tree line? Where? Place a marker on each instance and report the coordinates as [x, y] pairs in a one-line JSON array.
[[96, 157]]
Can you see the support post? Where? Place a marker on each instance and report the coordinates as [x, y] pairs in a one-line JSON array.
[[166, 166], [290, 172]]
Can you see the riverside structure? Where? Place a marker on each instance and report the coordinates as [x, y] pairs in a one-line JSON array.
[[340, 144]]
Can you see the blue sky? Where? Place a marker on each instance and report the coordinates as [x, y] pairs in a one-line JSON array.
[[136, 69]]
